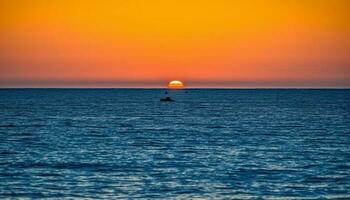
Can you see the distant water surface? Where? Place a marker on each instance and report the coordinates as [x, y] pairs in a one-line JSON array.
[[211, 144]]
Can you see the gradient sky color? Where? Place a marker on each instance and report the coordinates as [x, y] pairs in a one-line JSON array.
[[135, 43]]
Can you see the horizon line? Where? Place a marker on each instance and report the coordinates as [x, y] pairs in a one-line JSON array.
[[190, 88]]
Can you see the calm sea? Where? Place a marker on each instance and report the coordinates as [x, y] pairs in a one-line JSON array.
[[211, 144]]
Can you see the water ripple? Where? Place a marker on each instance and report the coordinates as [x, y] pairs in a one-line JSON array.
[[110, 144]]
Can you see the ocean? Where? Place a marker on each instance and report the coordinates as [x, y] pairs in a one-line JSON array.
[[208, 144]]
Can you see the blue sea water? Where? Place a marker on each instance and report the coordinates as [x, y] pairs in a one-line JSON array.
[[208, 144]]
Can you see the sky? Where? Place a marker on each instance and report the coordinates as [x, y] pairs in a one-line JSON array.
[[146, 43]]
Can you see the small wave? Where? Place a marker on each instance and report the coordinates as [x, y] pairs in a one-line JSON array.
[[7, 153], [95, 127], [7, 126], [215, 126], [159, 129], [34, 125], [48, 174], [24, 125], [126, 125], [4, 163]]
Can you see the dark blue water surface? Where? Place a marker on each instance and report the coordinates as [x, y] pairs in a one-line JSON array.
[[211, 144]]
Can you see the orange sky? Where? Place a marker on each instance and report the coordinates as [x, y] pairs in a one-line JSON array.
[[205, 43]]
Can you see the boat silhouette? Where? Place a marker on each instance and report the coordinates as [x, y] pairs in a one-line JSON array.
[[167, 99]]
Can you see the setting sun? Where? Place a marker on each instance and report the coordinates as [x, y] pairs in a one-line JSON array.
[[176, 85]]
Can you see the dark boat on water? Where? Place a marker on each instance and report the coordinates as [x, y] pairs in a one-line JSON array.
[[167, 99]]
